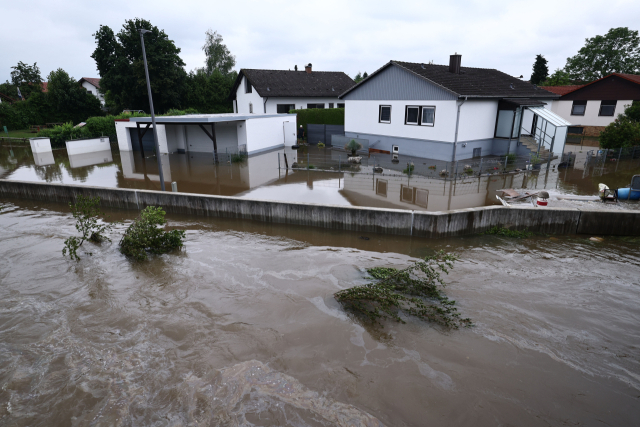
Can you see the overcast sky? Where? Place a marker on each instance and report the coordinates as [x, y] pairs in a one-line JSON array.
[[344, 35]]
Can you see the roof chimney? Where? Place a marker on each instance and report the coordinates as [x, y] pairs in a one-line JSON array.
[[454, 63], [307, 68]]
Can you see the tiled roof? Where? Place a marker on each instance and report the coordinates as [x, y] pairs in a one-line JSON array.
[[45, 87], [471, 82], [631, 77], [277, 83], [94, 81], [561, 90]]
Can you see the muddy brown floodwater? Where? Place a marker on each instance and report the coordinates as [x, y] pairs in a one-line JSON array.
[[240, 328]]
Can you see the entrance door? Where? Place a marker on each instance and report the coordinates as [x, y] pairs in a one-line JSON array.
[[289, 130]]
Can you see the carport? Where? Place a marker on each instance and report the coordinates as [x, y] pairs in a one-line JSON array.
[[208, 133]]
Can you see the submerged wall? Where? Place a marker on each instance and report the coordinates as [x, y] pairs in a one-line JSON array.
[[387, 221]]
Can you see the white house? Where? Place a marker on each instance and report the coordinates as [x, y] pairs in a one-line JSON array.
[[92, 85], [208, 133], [451, 112], [278, 91], [591, 107]]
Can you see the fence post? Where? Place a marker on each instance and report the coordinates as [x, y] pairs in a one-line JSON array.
[[278, 161], [308, 164], [618, 161], [480, 172], [339, 162], [506, 159]]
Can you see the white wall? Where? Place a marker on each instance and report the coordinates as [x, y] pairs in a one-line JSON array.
[[124, 137], [300, 103], [362, 117], [477, 120], [40, 145], [94, 91], [265, 133], [88, 159], [83, 146], [590, 118], [243, 99]]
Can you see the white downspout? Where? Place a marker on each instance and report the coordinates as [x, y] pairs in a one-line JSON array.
[[455, 139]]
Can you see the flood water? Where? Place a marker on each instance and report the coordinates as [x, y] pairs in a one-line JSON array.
[[259, 177], [241, 328]]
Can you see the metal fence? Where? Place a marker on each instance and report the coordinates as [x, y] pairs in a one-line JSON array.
[[323, 133], [341, 140], [335, 160]]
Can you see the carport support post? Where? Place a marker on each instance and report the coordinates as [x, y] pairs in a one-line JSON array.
[[215, 143], [140, 139]]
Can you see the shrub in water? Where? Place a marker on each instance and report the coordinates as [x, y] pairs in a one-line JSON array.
[[413, 291], [501, 231], [85, 211], [353, 146], [146, 235]]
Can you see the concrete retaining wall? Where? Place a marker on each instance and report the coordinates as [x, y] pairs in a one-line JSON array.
[[387, 221]]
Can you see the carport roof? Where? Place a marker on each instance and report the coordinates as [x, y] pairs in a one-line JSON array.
[[204, 118]]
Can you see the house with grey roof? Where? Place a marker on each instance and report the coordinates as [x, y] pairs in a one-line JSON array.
[[278, 91], [451, 112]]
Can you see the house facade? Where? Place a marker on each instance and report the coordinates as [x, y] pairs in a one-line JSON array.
[[591, 107], [92, 85], [278, 91], [450, 112]]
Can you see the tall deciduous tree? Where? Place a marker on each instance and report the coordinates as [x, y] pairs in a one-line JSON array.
[[27, 78], [618, 51], [558, 78], [121, 67], [218, 56], [69, 100], [540, 70]]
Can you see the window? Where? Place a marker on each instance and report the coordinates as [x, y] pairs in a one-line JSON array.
[[331, 105], [250, 108], [284, 108], [607, 108], [381, 187], [315, 105], [247, 86], [411, 116], [578, 108], [428, 116], [384, 115], [575, 130], [422, 116], [340, 105]]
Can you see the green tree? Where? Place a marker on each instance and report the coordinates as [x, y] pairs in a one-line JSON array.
[[121, 67], [558, 78], [218, 56], [618, 51], [209, 93], [9, 89], [625, 129], [540, 70], [358, 78], [365, 75], [27, 78], [69, 100]]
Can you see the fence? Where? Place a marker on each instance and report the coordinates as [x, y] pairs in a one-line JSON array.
[[600, 162], [341, 141], [335, 160], [323, 133]]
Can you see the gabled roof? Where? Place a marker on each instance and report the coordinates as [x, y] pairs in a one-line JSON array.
[[471, 82], [91, 80], [561, 90], [280, 83]]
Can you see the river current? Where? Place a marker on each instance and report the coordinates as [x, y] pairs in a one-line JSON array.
[[241, 328]]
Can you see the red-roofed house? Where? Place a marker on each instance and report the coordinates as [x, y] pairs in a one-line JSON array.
[[597, 104], [92, 85]]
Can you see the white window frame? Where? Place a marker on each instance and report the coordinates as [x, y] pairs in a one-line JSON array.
[[433, 107], [406, 115], [380, 114]]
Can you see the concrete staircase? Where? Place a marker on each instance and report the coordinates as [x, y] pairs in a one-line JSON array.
[[531, 144]]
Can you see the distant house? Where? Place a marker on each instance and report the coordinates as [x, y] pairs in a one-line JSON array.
[[591, 107], [278, 91], [451, 112], [92, 85]]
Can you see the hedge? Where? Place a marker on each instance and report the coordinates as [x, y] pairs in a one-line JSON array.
[[319, 116]]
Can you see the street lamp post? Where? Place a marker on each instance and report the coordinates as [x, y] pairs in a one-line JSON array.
[[153, 116]]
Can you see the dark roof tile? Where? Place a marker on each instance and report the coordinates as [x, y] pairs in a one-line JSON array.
[[280, 83]]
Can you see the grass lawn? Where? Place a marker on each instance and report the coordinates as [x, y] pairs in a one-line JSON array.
[[18, 133]]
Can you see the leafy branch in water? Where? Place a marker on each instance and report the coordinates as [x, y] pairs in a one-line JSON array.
[[501, 231], [145, 235], [86, 211], [413, 291]]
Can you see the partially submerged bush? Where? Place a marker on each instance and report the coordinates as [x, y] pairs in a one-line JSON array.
[[501, 231], [413, 291], [145, 235], [353, 146], [86, 211]]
